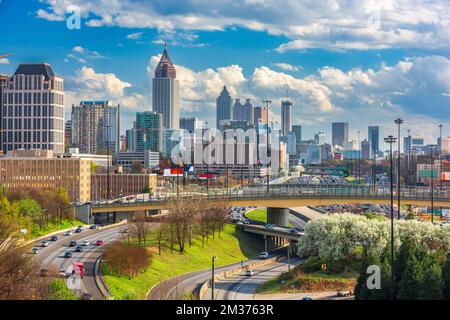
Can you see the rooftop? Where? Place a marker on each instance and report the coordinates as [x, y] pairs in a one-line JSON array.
[[36, 69]]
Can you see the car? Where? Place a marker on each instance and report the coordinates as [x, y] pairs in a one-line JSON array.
[[93, 227], [249, 273], [78, 230], [343, 293], [86, 296], [85, 243], [306, 298], [264, 255], [247, 221], [67, 254], [294, 230], [125, 230], [45, 243], [80, 227], [72, 243], [269, 226], [99, 243], [239, 223], [68, 233], [53, 238], [63, 274], [35, 250], [78, 249]]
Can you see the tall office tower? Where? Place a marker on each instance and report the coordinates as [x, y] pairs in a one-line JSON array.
[[3, 81], [365, 149], [147, 132], [129, 136], [237, 110], [192, 124], [339, 133], [96, 127], [376, 140], [286, 117], [68, 134], [261, 116], [248, 112], [33, 109], [297, 129], [224, 107], [166, 92], [320, 137]]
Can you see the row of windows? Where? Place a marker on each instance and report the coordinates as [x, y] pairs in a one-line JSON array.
[[32, 136], [33, 111], [33, 98], [34, 82], [36, 124]]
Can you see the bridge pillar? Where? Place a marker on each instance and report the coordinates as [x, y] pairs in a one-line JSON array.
[[278, 216]]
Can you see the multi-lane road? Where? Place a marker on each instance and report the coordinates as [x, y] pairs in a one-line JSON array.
[[52, 257]]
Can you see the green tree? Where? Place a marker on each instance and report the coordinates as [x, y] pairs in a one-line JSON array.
[[361, 290], [62, 204], [30, 208], [412, 277], [446, 275], [406, 250], [432, 287]]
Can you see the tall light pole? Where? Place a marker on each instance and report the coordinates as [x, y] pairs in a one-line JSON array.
[[432, 148], [440, 154], [359, 158], [107, 165], [212, 277], [267, 103], [391, 140], [398, 121]]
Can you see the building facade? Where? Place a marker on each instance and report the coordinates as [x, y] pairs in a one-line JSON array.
[[3, 82], [121, 184], [261, 116], [286, 117], [96, 127], [339, 134], [166, 92], [224, 107], [148, 159], [376, 140], [147, 132], [192, 124], [33, 109]]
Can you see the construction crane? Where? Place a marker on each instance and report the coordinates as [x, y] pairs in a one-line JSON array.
[[5, 55]]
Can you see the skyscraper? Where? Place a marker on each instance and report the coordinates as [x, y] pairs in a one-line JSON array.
[[3, 82], [261, 115], [33, 109], [237, 110], [192, 124], [320, 137], [147, 133], [339, 133], [96, 127], [286, 117], [248, 112], [224, 107], [166, 92], [376, 140]]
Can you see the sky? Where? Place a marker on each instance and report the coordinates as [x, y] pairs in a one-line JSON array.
[[366, 62]]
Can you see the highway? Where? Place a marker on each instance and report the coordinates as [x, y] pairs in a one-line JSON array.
[[242, 287], [52, 257]]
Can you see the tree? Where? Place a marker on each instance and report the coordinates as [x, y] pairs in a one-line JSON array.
[[126, 260], [446, 275], [140, 227], [411, 281], [432, 286]]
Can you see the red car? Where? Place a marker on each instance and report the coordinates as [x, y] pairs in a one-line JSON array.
[[99, 243]]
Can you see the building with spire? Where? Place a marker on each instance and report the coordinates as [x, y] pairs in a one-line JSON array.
[[166, 92], [224, 105]]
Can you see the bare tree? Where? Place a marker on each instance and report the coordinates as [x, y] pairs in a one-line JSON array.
[[140, 228]]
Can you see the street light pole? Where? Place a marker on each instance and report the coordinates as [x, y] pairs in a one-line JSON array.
[[212, 277], [440, 154], [107, 165], [359, 158], [398, 121], [432, 147], [267, 103], [391, 140]]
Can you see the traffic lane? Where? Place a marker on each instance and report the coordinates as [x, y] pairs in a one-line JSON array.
[[242, 287], [296, 221]]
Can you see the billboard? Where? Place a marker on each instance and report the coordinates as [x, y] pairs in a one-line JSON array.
[[173, 172]]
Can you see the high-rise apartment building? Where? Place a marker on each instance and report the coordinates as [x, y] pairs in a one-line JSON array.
[[286, 117], [33, 109], [166, 92], [96, 127], [224, 107], [339, 135], [376, 140]]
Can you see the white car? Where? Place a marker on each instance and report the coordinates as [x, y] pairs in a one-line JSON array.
[[249, 273], [45, 243], [264, 255], [68, 233], [35, 250], [85, 243]]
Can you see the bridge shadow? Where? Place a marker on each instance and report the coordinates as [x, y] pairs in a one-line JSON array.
[[249, 244]]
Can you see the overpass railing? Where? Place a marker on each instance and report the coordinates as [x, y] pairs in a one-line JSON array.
[[259, 192]]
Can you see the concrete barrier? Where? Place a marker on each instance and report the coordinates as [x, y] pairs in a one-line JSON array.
[[228, 273], [98, 278]]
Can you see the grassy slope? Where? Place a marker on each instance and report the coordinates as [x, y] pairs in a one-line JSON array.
[[259, 214], [65, 223], [232, 247]]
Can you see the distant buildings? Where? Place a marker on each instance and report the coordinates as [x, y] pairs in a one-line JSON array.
[[166, 92], [320, 137], [192, 124], [224, 107], [68, 134], [147, 159], [365, 149], [96, 127], [413, 143], [32, 109], [261, 116], [3, 82], [339, 135], [444, 145], [286, 117], [244, 112], [376, 140], [147, 132]]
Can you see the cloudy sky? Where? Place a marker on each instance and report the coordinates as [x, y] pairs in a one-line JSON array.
[[362, 61]]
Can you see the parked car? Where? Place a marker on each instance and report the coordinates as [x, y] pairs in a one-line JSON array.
[[35, 250], [306, 298], [53, 238], [72, 243], [78, 230], [67, 254], [264, 255], [239, 223], [45, 243], [99, 243], [79, 249], [343, 293], [246, 221], [249, 273]]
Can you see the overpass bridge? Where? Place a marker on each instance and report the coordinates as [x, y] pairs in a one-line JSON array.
[[281, 197]]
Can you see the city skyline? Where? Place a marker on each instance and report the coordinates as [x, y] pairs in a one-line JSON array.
[[364, 84]]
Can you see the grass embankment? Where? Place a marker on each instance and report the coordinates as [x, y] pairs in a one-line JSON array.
[[65, 224], [58, 291], [309, 277], [232, 246], [259, 214]]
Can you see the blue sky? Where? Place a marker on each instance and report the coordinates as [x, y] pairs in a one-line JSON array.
[[365, 62]]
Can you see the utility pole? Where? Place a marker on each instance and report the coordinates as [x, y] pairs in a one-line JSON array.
[[212, 277], [391, 140], [267, 103], [398, 121]]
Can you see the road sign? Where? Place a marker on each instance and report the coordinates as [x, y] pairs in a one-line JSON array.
[[324, 266]]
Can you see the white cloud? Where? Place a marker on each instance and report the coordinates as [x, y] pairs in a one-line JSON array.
[[135, 36], [82, 55], [4, 61], [332, 25], [287, 66]]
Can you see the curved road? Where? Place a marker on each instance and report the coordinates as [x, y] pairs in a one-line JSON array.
[[53, 255]]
